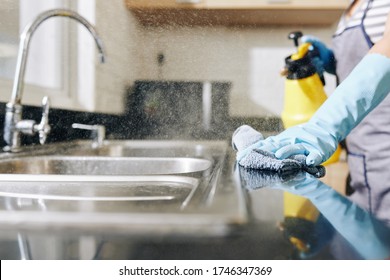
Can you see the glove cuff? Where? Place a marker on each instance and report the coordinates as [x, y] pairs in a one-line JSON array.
[[366, 86]]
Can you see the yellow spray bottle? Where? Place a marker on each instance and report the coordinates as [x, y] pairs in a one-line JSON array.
[[304, 89], [304, 94]]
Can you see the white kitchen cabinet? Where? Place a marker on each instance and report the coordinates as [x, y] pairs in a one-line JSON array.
[[237, 12]]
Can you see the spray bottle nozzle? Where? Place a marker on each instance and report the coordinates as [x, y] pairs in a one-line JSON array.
[[302, 49], [295, 37]]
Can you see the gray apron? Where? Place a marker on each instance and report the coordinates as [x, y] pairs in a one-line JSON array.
[[369, 143]]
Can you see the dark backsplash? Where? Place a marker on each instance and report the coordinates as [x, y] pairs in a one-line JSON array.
[[174, 110], [154, 110], [61, 124]]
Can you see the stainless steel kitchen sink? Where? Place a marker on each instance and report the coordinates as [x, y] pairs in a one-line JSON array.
[[102, 165], [174, 189], [137, 187], [150, 148]]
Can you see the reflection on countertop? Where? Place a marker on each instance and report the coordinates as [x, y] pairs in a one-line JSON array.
[[317, 216]]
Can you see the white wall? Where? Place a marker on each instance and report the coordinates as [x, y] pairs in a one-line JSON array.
[[250, 58], [120, 34]]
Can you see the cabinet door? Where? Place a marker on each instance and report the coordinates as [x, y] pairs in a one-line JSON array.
[[237, 4], [49, 55], [159, 4], [237, 12], [276, 4]]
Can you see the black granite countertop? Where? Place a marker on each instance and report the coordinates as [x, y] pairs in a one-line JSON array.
[[289, 218], [294, 217]]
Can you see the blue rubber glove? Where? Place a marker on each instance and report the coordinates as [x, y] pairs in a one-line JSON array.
[[326, 60], [353, 99]]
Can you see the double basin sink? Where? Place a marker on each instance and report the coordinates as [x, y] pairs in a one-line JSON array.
[[124, 186]]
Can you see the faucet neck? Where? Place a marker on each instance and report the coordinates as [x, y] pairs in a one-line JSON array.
[[14, 126], [25, 38]]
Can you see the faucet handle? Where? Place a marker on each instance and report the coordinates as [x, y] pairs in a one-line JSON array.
[[98, 132], [45, 107], [43, 128]]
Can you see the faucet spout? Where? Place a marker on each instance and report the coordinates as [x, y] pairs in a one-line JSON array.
[[25, 39], [14, 126]]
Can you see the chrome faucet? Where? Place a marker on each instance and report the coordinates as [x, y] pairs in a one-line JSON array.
[[14, 126]]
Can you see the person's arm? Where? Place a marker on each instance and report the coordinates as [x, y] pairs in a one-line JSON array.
[[366, 86]]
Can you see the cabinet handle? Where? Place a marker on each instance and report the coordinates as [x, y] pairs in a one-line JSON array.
[[188, 1]]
